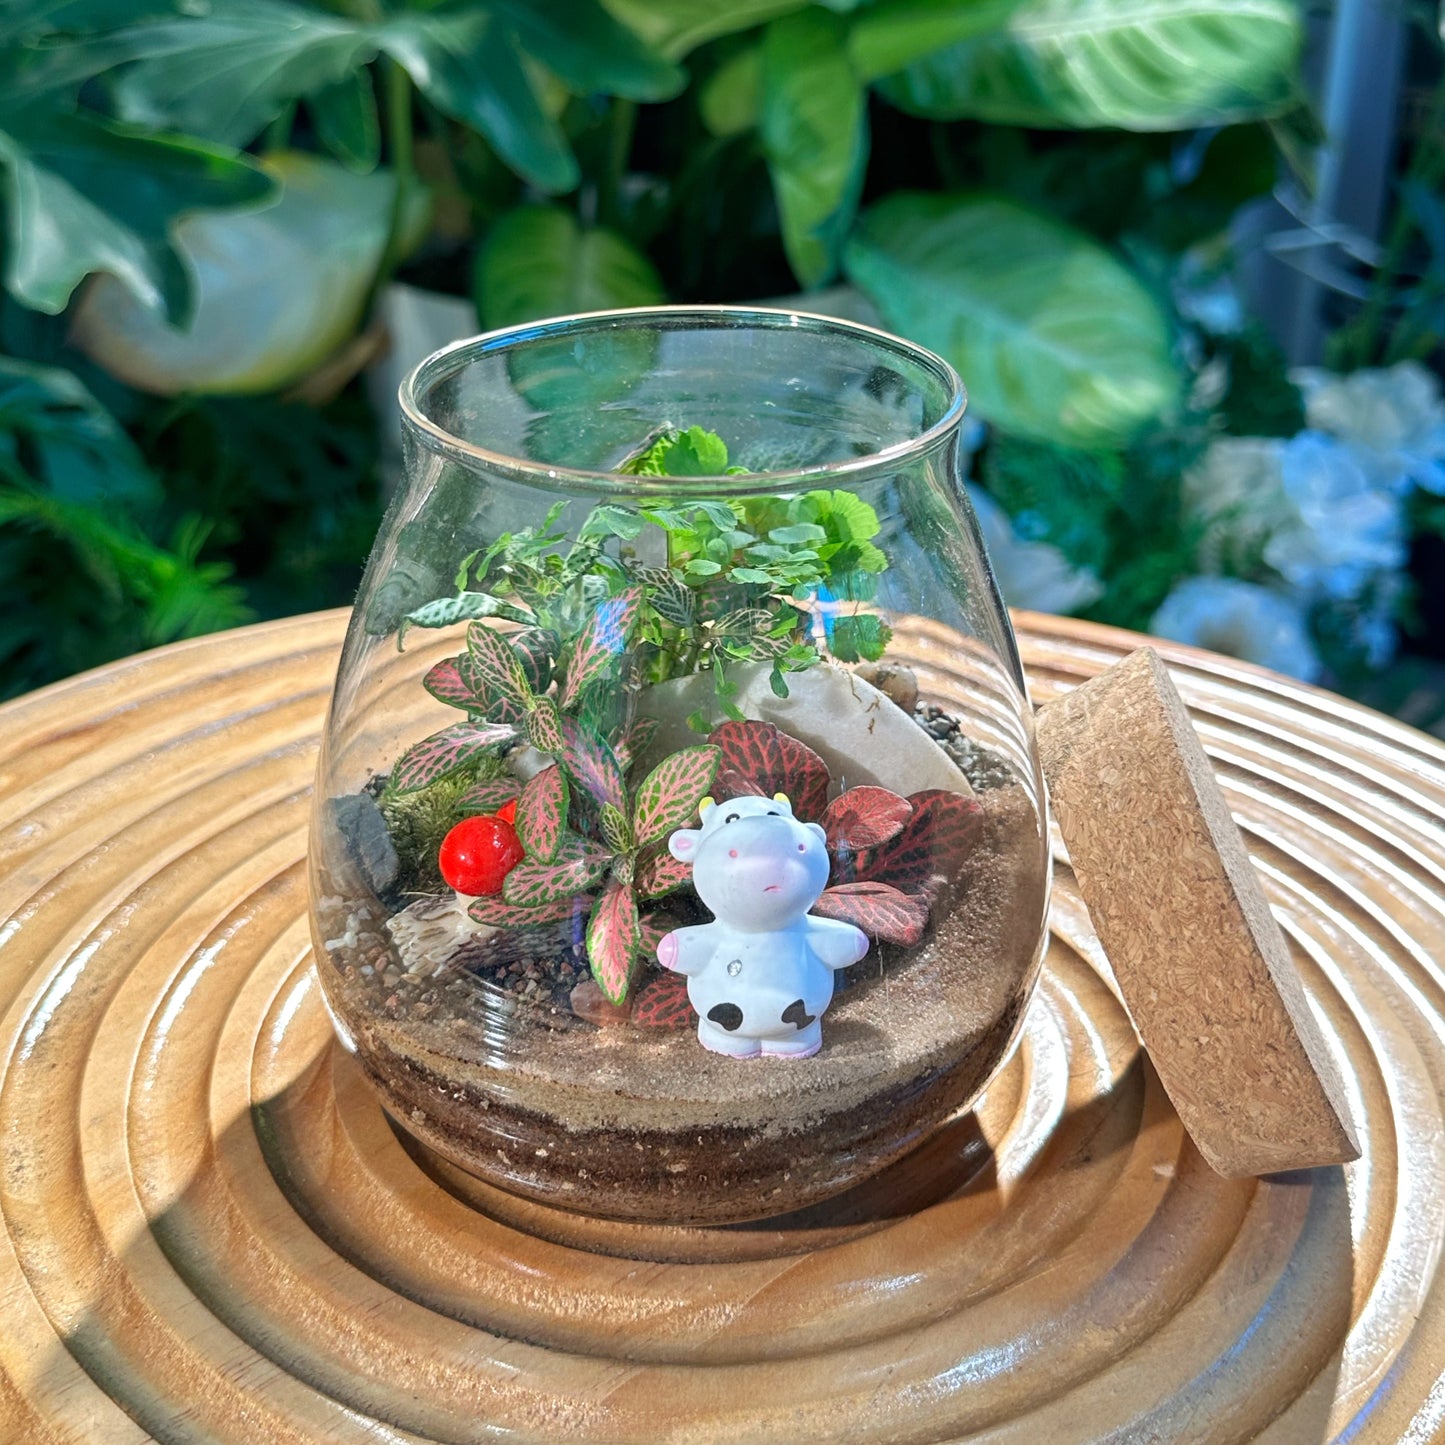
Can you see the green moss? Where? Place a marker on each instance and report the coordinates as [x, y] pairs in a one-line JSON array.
[[419, 821]]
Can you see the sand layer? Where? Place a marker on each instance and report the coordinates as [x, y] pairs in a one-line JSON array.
[[646, 1124]]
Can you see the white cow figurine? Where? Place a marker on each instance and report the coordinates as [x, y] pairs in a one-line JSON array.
[[760, 975]]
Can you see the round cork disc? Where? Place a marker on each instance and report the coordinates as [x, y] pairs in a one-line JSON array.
[[208, 1231]]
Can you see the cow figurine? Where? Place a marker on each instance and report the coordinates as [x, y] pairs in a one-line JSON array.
[[761, 975]]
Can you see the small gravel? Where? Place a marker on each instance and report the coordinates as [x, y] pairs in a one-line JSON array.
[[982, 766]]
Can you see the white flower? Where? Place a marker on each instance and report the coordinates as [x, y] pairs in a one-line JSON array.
[[1031, 574], [1241, 619], [1396, 414], [1236, 492], [1346, 528], [1308, 508]]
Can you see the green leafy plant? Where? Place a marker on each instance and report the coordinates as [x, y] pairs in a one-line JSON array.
[[584, 831]]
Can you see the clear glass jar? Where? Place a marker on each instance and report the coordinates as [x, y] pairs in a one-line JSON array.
[[678, 851]]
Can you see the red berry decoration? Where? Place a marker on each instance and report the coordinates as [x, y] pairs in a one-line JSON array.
[[478, 853], [508, 812]]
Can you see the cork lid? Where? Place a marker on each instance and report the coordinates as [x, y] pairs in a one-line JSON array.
[[1199, 959]]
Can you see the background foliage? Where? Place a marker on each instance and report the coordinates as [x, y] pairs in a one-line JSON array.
[[203, 203]]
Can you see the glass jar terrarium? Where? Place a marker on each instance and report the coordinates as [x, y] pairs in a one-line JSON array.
[[678, 852]]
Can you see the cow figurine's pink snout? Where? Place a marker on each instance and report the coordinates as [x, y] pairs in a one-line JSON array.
[[761, 974]]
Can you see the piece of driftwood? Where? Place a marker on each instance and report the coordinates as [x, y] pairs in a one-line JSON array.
[[1202, 965], [208, 1230]]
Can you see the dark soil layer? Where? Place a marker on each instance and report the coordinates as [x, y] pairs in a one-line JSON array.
[[647, 1125]]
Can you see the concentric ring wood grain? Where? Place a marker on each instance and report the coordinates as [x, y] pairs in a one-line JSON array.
[[211, 1233]]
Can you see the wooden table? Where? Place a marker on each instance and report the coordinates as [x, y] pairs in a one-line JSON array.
[[210, 1232]]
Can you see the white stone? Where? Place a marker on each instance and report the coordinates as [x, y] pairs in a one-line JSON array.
[[861, 733]]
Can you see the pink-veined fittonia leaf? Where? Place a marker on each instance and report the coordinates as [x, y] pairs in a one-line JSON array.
[[536, 647], [864, 817], [930, 848], [635, 740], [668, 796], [578, 866], [445, 752], [662, 1003], [498, 913], [445, 683], [542, 814], [882, 912], [614, 940], [661, 873], [488, 797], [603, 641], [493, 705], [592, 764], [544, 727], [498, 665], [759, 759]]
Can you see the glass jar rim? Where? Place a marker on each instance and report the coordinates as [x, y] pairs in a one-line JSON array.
[[450, 360]]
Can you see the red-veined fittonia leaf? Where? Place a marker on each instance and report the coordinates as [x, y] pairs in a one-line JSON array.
[[544, 727], [592, 764], [498, 913], [603, 640], [662, 1003], [864, 817], [497, 663], [445, 752], [661, 873], [542, 814], [635, 740], [446, 684], [614, 940], [757, 758], [655, 927], [930, 848], [881, 911], [668, 796], [536, 647], [578, 866], [489, 796]]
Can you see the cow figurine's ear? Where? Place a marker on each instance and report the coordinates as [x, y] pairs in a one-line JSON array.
[[683, 843]]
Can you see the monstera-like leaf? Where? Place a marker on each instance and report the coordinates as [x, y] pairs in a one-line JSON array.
[[277, 291], [1057, 339]]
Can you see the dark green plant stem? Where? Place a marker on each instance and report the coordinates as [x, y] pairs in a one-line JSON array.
[[622, 124], [278, 133], [402, 157]]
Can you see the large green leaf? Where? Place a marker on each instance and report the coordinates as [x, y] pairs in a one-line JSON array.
[[676, 26], [815, 135], [225, 71], [539, 262], [580, 42], [895, 33], [469, 66], [86, 195], [1136, 64], [277, 291], [1053, 337]]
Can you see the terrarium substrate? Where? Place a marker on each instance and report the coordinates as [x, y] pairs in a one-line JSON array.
[[483, 1058]]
